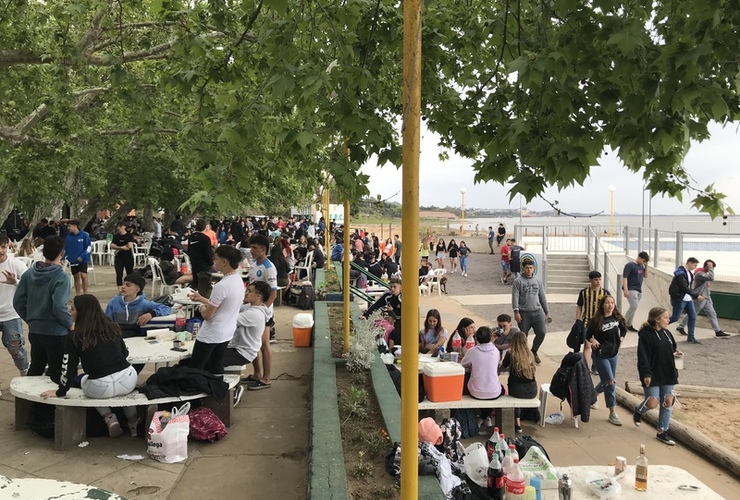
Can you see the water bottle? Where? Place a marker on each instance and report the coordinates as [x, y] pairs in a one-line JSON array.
[[501, 447], [507, 463], [180, 320], [536, 483], [196, 329]]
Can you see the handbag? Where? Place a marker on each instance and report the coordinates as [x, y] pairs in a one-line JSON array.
[[167, 439], [205, 425]]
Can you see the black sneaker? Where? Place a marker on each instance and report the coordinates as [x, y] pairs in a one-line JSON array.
[[636, 417], [631, 328], [594, 371], [722, 334], [664, 438], [238, 393], [680, 330], [693, 341], [536, 358]]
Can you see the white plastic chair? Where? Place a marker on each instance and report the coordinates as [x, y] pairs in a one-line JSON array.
[[100, 251], [435, 278], [158, 277], [305, 267], [26, 260], [140, 254]]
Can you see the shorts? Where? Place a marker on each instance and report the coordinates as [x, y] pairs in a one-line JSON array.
[[515, 266], [505, 266], [80, 267], [440, 255]]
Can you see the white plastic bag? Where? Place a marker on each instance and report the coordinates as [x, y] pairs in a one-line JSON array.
[[476, 464], [603, 486], [169, 443], [535, 463]]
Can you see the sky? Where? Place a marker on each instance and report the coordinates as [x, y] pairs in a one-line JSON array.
[[716, 160]]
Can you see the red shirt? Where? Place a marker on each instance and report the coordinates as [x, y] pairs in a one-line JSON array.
[[505, 253]]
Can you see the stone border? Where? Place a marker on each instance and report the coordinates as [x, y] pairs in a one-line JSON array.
[[327, 475]]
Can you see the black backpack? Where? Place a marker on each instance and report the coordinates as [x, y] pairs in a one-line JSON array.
[[560, 381], [306, 297], [576, 336]]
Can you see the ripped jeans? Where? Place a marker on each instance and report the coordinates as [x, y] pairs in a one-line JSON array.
[[14, 342], [664, 413]]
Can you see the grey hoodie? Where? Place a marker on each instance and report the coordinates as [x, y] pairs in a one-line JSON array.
[[701, 281], [41, 299]]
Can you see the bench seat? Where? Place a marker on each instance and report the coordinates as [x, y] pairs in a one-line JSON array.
[[71, 410], [504, 418]]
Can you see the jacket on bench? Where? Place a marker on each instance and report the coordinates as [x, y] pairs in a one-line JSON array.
[[183, 381]]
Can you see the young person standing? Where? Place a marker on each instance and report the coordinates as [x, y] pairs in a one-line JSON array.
[[632, 276], [683, 295], [200, 252], [587, 306], [263, 270], [11, 271], [41, 301], [77, 252], [123, 244], [530, 306]]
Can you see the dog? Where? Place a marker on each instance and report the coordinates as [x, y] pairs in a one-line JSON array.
[[443, 284]]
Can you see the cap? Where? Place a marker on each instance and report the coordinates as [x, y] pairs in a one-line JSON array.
[[429, 431], [136, 279]]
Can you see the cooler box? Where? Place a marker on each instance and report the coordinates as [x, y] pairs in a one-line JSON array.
[[443, 381], [302, 328]]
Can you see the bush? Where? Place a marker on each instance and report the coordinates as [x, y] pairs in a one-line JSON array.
[[363, 344]]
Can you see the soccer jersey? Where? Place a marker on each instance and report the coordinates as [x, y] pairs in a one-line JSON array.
[[264, 271], [589, 299]]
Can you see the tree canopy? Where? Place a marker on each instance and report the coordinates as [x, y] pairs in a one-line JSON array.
[[220, 105]]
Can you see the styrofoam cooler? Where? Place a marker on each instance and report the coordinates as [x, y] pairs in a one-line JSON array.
[[302, 327], [443, 381]]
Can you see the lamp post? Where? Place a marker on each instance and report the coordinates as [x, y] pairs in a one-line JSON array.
[[612, 188], [462, 210]]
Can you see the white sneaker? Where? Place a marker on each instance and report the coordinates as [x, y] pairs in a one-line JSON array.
[[595, 406], [488, 422], [614, 419]]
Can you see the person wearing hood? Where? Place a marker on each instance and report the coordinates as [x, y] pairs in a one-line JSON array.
[[41, 301], [130, 309], [250, 325]]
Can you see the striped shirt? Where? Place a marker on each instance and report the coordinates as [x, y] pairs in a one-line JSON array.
[[588, 299]]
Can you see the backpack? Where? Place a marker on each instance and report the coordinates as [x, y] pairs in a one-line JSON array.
[[306, 297], [576, 336], [561, 379], [524, 442]]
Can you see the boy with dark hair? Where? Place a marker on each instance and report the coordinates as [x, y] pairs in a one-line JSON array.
[[683, 296], [702, 278], [262, 270], [77, 252], [41, 301], [11, 270], [529, 302], [200, 252], [130, 309], [246, 343]]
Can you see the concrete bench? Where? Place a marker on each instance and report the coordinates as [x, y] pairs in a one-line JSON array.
[[71, 410], [504, 407]]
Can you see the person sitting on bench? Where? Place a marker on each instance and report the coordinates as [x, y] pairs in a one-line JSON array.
[[97, 343]]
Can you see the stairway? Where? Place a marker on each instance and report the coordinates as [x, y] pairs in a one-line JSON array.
[[567, 273]]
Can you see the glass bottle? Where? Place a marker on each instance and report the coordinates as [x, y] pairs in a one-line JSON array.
[[641, 470]]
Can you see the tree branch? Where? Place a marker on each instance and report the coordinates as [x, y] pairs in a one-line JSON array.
[[134, 131], [92, 34]]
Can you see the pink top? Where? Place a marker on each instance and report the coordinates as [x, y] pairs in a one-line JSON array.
[[483, 361]]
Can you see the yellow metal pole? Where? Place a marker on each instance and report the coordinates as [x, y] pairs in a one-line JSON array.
[[410, 231], [345, 276]]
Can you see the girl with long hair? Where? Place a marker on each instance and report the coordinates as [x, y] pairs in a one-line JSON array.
[[519, 360], [482, 363], [441, 252], [466, 328], [433, 336], [656, 352], [605, 333], [26, 249], [277, 257], [96, 342], [464, 251], [452, 251]]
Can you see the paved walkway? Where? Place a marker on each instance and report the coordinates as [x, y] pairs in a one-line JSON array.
[[266, 453]]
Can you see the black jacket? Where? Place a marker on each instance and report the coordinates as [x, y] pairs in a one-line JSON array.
[[184, 381], [581, 392], [681, 284], [655, 359]]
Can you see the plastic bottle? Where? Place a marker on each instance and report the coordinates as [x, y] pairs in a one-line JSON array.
[[456, 342], [166, 416], [180, 320], [641, 470], [469, 343], [495, 479], [536, 483], [491, 443], [501, 447], [515, 484], [514, 453], [441, 354], [508, 462]]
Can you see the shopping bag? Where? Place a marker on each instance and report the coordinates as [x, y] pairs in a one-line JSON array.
[[205, 425], [167, 439]]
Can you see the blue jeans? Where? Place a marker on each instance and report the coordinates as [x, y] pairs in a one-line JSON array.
[[664, 413], [14, 342], [679, 306], [464, 263], [607, 368]]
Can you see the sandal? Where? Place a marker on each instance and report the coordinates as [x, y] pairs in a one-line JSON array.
[[249, 379], [256, 386]]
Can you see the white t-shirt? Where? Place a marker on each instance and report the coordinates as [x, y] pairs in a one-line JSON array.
[[227, 296], [250, 325], [264, 271], [7, 312]]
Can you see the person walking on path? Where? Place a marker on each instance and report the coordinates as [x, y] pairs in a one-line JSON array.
[[702, 280], [397, 246], [464, 251], [656, 352], [632, 277], [683, 296], [587, 306], [530, 305], [77, 246], [491, 238], [604, 335], [11, 270]]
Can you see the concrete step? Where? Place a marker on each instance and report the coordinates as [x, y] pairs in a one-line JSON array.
[[564, 290]]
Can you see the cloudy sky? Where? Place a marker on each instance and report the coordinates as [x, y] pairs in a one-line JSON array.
[[714, 161]]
